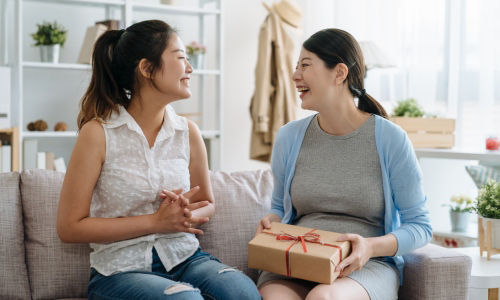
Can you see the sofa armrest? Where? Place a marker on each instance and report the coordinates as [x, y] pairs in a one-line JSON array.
[[434, 272]]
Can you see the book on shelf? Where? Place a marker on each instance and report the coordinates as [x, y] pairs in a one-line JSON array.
[[60, 165], [49, 161], [111, 24], [40, 160], [91, 36], [5, 157], [30, 150]]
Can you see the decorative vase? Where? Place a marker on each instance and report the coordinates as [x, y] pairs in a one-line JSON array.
[[49, 53], [495, 231], [459, 221], [197, 61]]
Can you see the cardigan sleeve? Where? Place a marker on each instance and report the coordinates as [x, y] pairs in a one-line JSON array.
[[278, 165], [409, 199]]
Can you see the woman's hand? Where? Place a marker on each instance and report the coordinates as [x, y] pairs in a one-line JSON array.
[[360, 254], [265, 222], [175, 212]]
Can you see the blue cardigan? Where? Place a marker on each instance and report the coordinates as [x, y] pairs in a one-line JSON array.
[[406, 215]]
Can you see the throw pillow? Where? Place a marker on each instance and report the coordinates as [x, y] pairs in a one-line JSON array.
[[13, 272], [481, 174], [241, 200], [56, 270]]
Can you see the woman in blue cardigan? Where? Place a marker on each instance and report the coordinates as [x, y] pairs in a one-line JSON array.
[[346, 169]]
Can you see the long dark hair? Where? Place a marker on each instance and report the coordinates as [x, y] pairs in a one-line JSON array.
[[114, 62], [335, 46]]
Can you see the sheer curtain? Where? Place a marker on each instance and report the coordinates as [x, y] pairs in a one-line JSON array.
[[446, 52]]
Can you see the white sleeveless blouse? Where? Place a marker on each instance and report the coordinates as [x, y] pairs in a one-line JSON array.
[[131, 179]]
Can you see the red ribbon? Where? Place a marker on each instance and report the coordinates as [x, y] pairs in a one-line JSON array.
[[309, 237]]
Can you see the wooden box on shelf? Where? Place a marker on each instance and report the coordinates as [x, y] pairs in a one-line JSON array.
[[12, 136], [428, 132], [486, 242]]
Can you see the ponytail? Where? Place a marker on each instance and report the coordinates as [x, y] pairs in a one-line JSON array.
[[367, 103], [114, 61]]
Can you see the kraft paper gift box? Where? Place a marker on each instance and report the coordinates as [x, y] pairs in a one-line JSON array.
[[298, 252]]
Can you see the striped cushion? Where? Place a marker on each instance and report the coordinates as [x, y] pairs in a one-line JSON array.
[[481, 174]]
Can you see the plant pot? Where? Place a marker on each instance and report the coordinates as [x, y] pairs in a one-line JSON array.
[[49, 53], [495, 231], [196, 61], [459, 221]]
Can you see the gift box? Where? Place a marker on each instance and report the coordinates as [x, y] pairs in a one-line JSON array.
[[298, 252]]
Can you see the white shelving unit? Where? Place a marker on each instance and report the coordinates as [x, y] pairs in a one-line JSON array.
[[128, 11], [483, 156]]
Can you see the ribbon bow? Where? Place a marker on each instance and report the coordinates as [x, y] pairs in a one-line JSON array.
[[309, 237]]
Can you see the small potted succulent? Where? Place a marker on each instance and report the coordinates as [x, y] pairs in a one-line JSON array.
[[460, 210], [49, 37], [488, 208], [196, 52]]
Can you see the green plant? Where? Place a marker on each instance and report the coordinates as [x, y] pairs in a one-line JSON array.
[[49, 34], [408, 108], [488, 200], [461, 203], [195, 48]]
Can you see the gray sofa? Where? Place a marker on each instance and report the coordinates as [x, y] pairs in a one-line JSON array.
[[35, 264]]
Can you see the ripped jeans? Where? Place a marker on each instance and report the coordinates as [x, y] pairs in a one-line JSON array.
[[201, 276]]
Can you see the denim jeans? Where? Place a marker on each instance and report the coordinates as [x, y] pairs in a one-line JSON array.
[[202, 276]]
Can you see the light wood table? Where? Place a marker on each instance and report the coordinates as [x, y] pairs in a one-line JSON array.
[[485, 274]]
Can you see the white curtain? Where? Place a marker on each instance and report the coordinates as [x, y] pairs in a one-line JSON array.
[[447, 54]]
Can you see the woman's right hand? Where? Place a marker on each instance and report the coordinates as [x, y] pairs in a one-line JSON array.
[[174, 213], [265, 222]]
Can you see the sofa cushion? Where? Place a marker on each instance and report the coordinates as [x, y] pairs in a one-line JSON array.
[[55, 269], [434, 272], [13, 273], [241, 199]]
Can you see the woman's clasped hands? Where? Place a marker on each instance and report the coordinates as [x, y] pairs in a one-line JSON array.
[[175, 213]]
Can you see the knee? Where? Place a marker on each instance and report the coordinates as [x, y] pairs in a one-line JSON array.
[[237, 285], [181, 291], [323, 293]]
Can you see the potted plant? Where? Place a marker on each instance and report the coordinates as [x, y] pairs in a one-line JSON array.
[[460, 210], [49, 37], [196, 52], [488, 208], [424, 132]]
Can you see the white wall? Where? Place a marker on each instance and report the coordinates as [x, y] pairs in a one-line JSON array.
[[242, 20]]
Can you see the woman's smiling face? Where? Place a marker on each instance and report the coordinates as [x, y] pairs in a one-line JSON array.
[[174, 76], [313, 80]]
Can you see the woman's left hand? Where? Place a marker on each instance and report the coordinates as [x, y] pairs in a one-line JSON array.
[[360, 254]]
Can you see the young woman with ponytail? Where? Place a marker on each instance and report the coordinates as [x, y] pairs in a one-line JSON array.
[[137, 186], [346, 169]]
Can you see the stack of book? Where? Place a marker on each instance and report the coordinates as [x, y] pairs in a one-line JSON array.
[[5, 156], [34, 159]]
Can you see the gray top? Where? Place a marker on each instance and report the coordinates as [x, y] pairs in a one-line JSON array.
[[337, 184]]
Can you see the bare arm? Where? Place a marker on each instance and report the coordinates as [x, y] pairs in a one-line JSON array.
[[73, 222], [386, 245], [198, 170]]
